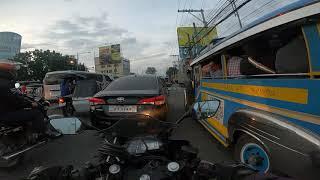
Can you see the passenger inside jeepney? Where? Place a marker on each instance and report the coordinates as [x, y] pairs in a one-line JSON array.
[[279, 53], [215, 69], [233, 61]]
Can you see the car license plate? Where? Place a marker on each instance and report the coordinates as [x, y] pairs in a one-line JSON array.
[[55, 93], [122, 108]]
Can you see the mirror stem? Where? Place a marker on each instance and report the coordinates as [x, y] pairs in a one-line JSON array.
[[185, 115]]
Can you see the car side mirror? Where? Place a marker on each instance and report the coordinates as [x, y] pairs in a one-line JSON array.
[[67, 126], [205, 109]]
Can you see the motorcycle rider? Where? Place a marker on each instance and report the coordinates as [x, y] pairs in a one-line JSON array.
[[12, 105]]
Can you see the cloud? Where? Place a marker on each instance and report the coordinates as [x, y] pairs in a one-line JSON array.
[[86, 33], [151, 56], [96, 28], [28, 46], [79, 34]]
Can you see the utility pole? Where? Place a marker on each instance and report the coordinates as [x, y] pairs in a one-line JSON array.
[[202, 19], [190, 11], [234, 7], [195, 39]]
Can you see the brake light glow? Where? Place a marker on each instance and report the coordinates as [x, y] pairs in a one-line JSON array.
[[96, 101], [158, 100], [61, 100]]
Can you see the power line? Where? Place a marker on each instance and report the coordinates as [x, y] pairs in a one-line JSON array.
[[212, 28], [211, 20], [182, 18]]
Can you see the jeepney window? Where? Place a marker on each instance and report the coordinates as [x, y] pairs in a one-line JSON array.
[[275, 53], [212, 68], [292, 57]]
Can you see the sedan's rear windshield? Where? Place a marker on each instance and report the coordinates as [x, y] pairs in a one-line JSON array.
[[133, 83]]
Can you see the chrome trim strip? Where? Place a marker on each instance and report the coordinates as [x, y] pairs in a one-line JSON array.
[[284, 123], [275, 142], [252, 135], [262, 131]]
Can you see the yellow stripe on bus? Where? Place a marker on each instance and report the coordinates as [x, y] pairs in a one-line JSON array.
[[280, 111], [295, 95], [214, 135], [218, 126]]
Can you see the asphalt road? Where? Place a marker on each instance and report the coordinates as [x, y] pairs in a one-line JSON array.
[[81, 148]]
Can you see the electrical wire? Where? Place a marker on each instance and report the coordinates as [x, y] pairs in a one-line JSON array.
[[220, 21], [216, 16], [254, 14], [183, 15]]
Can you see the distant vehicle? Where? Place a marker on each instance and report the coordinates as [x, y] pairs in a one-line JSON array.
[[130, 95], [52, 81], [84, 90], [32, 88]]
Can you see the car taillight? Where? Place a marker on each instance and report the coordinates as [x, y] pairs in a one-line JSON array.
[[61, 100], [96, 101], [158, 100]]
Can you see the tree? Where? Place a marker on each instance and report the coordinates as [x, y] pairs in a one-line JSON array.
[[171, 72], [35, 64], [151, 70]]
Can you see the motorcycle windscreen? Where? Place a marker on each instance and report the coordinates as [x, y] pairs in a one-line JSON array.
[[140, 125]]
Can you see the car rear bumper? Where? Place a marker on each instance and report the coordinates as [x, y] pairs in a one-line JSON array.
[[81, 105], [101, 119]]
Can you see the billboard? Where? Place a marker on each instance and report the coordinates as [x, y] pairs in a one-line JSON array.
[[185, 39], [115, 53], [184, 32], [110, 54]]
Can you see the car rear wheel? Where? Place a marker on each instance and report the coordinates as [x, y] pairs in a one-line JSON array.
[[251, 152]]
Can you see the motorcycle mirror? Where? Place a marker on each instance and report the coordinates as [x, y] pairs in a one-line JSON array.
[[17, 85], [67, 126], [205, 109]]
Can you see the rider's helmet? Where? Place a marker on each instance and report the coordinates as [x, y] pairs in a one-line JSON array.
[[8, 69]]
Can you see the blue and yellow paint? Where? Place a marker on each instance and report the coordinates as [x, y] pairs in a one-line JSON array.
[[295, 100]]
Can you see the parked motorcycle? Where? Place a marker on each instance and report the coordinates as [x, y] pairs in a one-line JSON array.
[[142, 149], [15, 141]]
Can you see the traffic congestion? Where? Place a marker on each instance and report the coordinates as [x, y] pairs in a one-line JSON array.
[[239, 100]]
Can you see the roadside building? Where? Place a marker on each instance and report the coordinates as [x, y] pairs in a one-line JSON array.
[[115, 69], [10, 44]]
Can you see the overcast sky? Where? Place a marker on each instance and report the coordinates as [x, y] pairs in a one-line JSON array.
[[146, 29]]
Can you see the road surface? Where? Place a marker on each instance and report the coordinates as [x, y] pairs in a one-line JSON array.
[[81, 148]]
